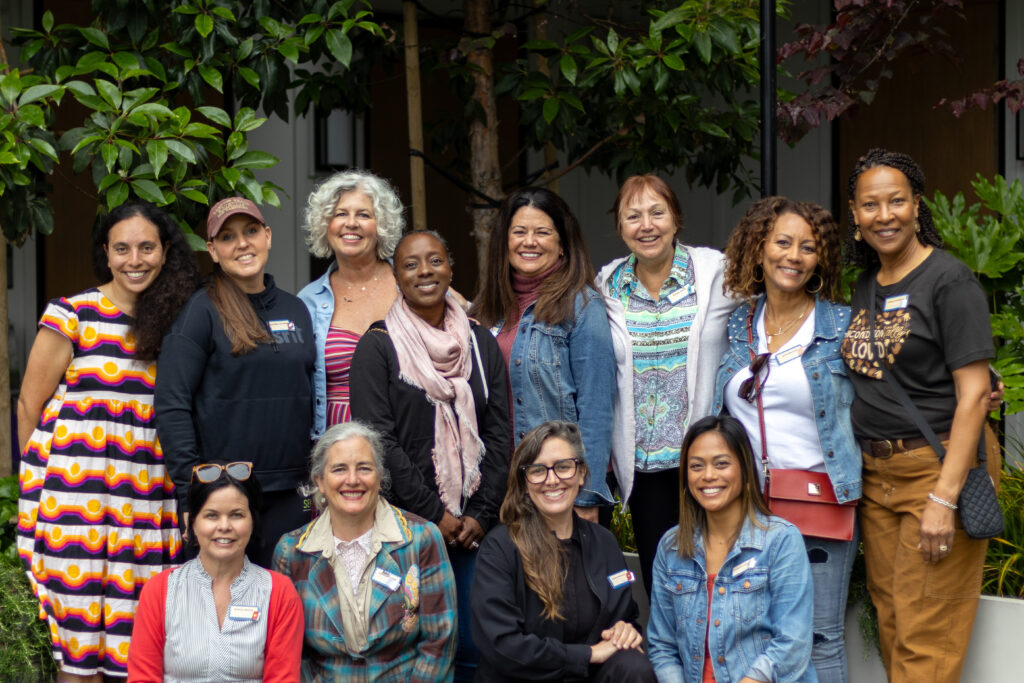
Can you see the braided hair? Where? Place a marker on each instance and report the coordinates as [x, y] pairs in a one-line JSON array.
[[859, 252]]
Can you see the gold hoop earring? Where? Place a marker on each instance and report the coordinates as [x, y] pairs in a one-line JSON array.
[[821, 283], [755, 273], [917, 227], [857, 237]]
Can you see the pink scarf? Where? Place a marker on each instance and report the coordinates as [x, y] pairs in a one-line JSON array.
[[439, 362]]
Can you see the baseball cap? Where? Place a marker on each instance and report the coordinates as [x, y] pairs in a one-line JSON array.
[[225, 209]]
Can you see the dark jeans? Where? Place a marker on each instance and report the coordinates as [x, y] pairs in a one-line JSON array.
[[466, 654]]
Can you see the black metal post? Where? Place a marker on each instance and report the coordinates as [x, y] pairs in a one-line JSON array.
[[769, 150]]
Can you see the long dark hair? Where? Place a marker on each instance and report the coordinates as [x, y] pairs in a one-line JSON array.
[[858, 251], [157, 306], [691, 514], [745, 250], [544, 563], [497, 300]]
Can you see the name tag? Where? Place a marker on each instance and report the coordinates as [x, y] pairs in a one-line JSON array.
[[281, 325], [744, 566], [678, 295], [789, 354], [386, 579], [621, 578], [243, 613], [895, 303]]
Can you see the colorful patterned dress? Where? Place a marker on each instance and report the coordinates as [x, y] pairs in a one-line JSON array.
[[97, 515], [338, 352]]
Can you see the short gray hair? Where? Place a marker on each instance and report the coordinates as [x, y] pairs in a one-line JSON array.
[[336, 434], [387, 208]]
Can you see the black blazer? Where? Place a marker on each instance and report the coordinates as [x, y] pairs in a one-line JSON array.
[[516, 642], [405, 419]]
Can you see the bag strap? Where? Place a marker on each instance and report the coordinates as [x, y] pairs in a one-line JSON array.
[[479, 363], [760, 405], [915, 415]]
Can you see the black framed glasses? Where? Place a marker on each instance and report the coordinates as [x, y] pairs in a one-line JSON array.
[[210, 472], [538, 474], [750, 388]]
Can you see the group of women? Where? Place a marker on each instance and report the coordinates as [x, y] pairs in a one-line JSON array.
[[446, 523]]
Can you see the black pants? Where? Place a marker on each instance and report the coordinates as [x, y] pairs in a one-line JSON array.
[[625, 666], [281, 512], [654, 506]]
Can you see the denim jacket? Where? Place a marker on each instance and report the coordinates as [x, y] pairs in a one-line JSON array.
[[567, 372], [319, 299], [761, 611], [831, 389]]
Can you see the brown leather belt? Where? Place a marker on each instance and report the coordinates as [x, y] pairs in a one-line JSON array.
[[885, 448]]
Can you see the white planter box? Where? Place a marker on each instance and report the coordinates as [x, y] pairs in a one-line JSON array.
[[995, 655]]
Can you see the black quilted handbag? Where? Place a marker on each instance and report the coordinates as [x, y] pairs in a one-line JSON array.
[[979, 507]]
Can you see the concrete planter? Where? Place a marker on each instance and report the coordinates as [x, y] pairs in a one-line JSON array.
[[995, 654]]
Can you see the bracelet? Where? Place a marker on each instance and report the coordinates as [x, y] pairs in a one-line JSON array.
[[944, 503]]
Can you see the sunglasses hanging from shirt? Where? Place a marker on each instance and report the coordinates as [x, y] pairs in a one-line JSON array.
[[802, 497]]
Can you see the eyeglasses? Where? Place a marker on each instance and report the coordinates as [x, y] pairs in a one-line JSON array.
[[750, 388], [538, 474], [211, 471]]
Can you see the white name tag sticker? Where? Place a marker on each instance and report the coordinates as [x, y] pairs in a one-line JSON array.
[[783, 357], [281, 325], [386, 579], [243, 613], [744, 566], [677, 296], [621, 578], [895, 303]]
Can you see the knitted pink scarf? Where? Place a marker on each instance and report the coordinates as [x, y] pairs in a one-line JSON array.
[[439, 362]]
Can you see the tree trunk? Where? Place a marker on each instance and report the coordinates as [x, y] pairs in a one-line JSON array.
[[5, 368], [485, 171], [412, 94]]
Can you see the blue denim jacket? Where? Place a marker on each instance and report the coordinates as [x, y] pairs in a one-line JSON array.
[[761, 613], [567, 372], [319, 300], [831, 389]]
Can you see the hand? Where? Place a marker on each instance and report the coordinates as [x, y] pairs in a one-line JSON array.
[[995, 399], [601, 652], [450, 527], [936, 532], [589, 513], [623, 636], [472, 533], [184, 534]]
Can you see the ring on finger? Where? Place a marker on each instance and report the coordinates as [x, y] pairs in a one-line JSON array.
[[944, 548]]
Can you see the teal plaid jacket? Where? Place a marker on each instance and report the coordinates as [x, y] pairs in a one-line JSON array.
[[412, 628]]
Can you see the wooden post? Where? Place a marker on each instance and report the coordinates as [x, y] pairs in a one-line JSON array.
[[413, 101], [6, 462]]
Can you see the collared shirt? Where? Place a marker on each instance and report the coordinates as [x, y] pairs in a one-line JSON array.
[[354, 594], [197, 648], [660, 333], [354, 555]]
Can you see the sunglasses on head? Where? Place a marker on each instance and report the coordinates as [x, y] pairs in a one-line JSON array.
[[211, 471], [750, 388]]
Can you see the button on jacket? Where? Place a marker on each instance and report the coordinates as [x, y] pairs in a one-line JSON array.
[[567, 372], [761, 609], [831, 389]]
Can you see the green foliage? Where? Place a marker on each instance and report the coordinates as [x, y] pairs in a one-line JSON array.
[[867, 615], [622, 526], [25, 652], [1004, 563], [988, 236], [146, 72]]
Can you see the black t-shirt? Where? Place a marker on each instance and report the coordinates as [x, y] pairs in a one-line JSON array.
[[933, 321]]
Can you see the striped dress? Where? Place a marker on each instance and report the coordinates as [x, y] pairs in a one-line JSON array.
[[97, 514], [338, 351]]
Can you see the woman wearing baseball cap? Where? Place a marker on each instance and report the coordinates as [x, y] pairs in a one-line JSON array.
[[236, 372]]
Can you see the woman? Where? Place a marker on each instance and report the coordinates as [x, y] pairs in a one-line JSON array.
[[552, 597], [434, 385], [551, 327], [356, 218], [731, 561], [218, 617], [783, 259], [96, 516], [668, 316], [235, 375], [377, 588], [931, 335]]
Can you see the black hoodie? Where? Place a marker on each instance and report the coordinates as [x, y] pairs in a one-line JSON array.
[[258, 406]]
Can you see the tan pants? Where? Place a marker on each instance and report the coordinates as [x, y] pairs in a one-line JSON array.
[[925, 611]]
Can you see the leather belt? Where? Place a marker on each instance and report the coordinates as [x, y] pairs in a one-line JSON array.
[[885, 448]]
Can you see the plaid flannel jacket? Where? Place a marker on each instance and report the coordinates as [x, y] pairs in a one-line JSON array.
[[412, 627]]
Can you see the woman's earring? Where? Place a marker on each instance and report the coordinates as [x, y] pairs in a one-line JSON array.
[[856, 235], [758, 269], [917, 227], [821, 283]]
